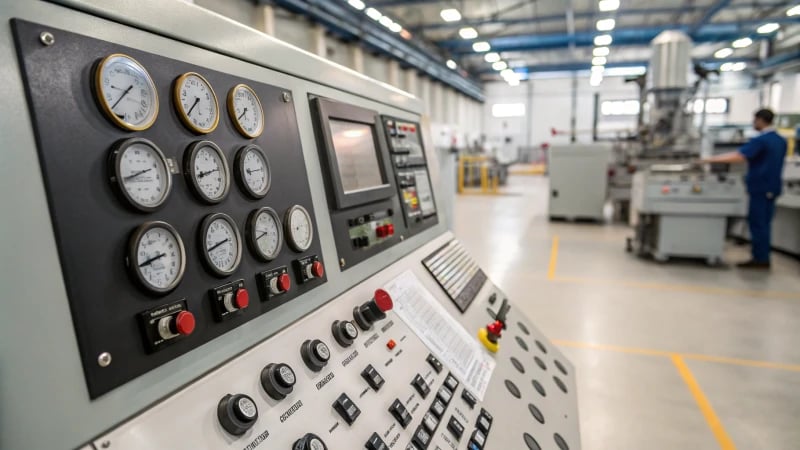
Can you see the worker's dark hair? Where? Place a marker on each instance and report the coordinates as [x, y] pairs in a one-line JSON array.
[[766, 115]]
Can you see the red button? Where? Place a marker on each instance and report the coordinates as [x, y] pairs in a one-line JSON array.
[[381, 231], [317, 269], [284, 282], [391, 344], [665, 190], [184, 323], [242, 299], [383, 300], [390, 230]]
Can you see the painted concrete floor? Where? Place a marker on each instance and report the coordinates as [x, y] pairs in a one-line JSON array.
[[669, 356]]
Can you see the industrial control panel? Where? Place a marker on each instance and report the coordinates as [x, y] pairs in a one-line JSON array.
[[210, 247]]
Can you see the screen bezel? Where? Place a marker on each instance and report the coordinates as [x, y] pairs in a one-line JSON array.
[[328, 110]]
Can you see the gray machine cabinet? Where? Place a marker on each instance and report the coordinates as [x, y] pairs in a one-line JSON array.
[[578, 181]]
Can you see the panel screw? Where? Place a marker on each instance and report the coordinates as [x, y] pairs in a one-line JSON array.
[[342, 262], [104, 360], [106, 444], [286, 97], [402, 238], [47, 38]]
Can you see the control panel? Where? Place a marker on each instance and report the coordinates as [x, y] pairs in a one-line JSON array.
[[179, 197]]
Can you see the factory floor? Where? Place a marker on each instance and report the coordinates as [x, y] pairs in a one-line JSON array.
[[668, 356]]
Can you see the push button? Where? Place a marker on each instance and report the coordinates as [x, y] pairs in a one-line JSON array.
[[400, 413], [451, 382], [278, 380], [421, 386], [373, 378], [421, 438], [309, 442], [468, 398], [430, 422], [455, 427], [346, 408], [445, 395], [437, 408], [437, 366], [373, 310], [344, 332], [315, 354], [478, 438], [237, 413], [375, 443], [483, 424], [280, 284]]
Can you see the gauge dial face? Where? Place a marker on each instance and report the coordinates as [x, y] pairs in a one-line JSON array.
[[246, 111], [253, 171], [207, 170], [140, 171], [299, 229], [157, 256], [196, 102], [220, 244], [126, 92], [264, 233]]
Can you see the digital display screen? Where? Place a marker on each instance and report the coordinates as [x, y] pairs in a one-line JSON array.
[[356, 155]]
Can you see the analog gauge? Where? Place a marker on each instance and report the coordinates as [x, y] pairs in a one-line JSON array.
[[156, 257], [126, 92], [196, 103], [207, 170], [264, 233], [139, 170], [220, 244], [245, 110], [252, 171], [299, 229]]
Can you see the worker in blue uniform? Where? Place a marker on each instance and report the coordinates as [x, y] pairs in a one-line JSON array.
[[764, 155]]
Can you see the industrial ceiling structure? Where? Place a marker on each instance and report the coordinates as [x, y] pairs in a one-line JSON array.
[[479, 40]]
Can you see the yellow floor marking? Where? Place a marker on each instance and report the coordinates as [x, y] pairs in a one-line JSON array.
[[692, 356], [725, 442], [551, 269], [697, 289]]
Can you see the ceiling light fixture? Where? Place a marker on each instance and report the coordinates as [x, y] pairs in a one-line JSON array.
[[481, 46], [596, 69], [500, 65], [373, 14], [601, 51], [513, 82], [608, 5], [599, 61], [357, 4], [603, 40], [451, 64], [723, 53], [386, 21], [606, 24], [468, 33], [596, 79], [450, 15], [396, 27], [492, 57], [793, 11], [742, 43], [768, 28]]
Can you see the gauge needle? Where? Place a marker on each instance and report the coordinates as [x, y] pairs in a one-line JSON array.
[[250, 171], [122, 96], [196, 101], [243, 113], [203, 174], [150, 261], [138, 173], [263, 233], [218, 244]]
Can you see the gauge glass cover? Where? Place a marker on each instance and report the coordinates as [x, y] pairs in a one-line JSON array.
[[221, 244], [245, 109], [299, 229], [159, 257], [266, 236], [196, 103], [140, 170], [126, 92], [207, 170]]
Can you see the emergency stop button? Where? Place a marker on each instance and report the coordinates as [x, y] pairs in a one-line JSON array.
[[181, 324], [280, 284]]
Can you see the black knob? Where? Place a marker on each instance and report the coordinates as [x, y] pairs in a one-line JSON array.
[[373, 310], [309, 442], [315, 354], [344, 332], [278, 380], [237, 413]]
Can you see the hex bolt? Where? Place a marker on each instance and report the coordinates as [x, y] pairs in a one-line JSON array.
[[47, 38]]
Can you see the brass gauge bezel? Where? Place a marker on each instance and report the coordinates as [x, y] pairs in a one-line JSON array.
[[232, 111], [98, 93], [176, 99]]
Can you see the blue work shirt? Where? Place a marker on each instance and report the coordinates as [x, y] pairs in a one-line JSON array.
[[765, 154]]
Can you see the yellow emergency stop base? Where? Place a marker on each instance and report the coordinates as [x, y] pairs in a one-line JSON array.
[[483, 336]]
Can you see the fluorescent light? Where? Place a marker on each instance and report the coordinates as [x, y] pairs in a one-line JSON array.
[[742, 43], [386, 21], [500, 65], [395, 27], [514, 82], [481, 46], [768, 28], [450, 15], [373, 14], [601, 51], [608, 5], [606, 24], [596, 79], [599, 61], [723, 53], [726, 67], [793, 11], [451, 64], [492, 57], [625, 71], [357, 4], [507, 73], [596, 69], [468, 33], [739, 66], [603, 39]]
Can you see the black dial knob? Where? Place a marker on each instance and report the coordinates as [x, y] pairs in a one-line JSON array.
[[237, 413], [344, 332], [315, 354], [309, 442], [278, 380], [373, 310]]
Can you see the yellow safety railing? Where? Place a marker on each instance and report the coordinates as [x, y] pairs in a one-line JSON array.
[[489, 180]]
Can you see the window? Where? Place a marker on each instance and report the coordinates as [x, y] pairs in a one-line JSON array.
[[508, 109], [619, 108], [712, 106]]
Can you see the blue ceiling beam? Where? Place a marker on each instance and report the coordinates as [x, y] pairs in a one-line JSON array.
[[350, 24], [718, 6]]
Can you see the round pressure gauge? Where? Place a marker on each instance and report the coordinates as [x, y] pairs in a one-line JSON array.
[[220, 244], [206, 168], [299, 229], [139, 170], [156, 257], [196, 103], [246, 111], [126, 93], [252, 171], [264, 233]]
